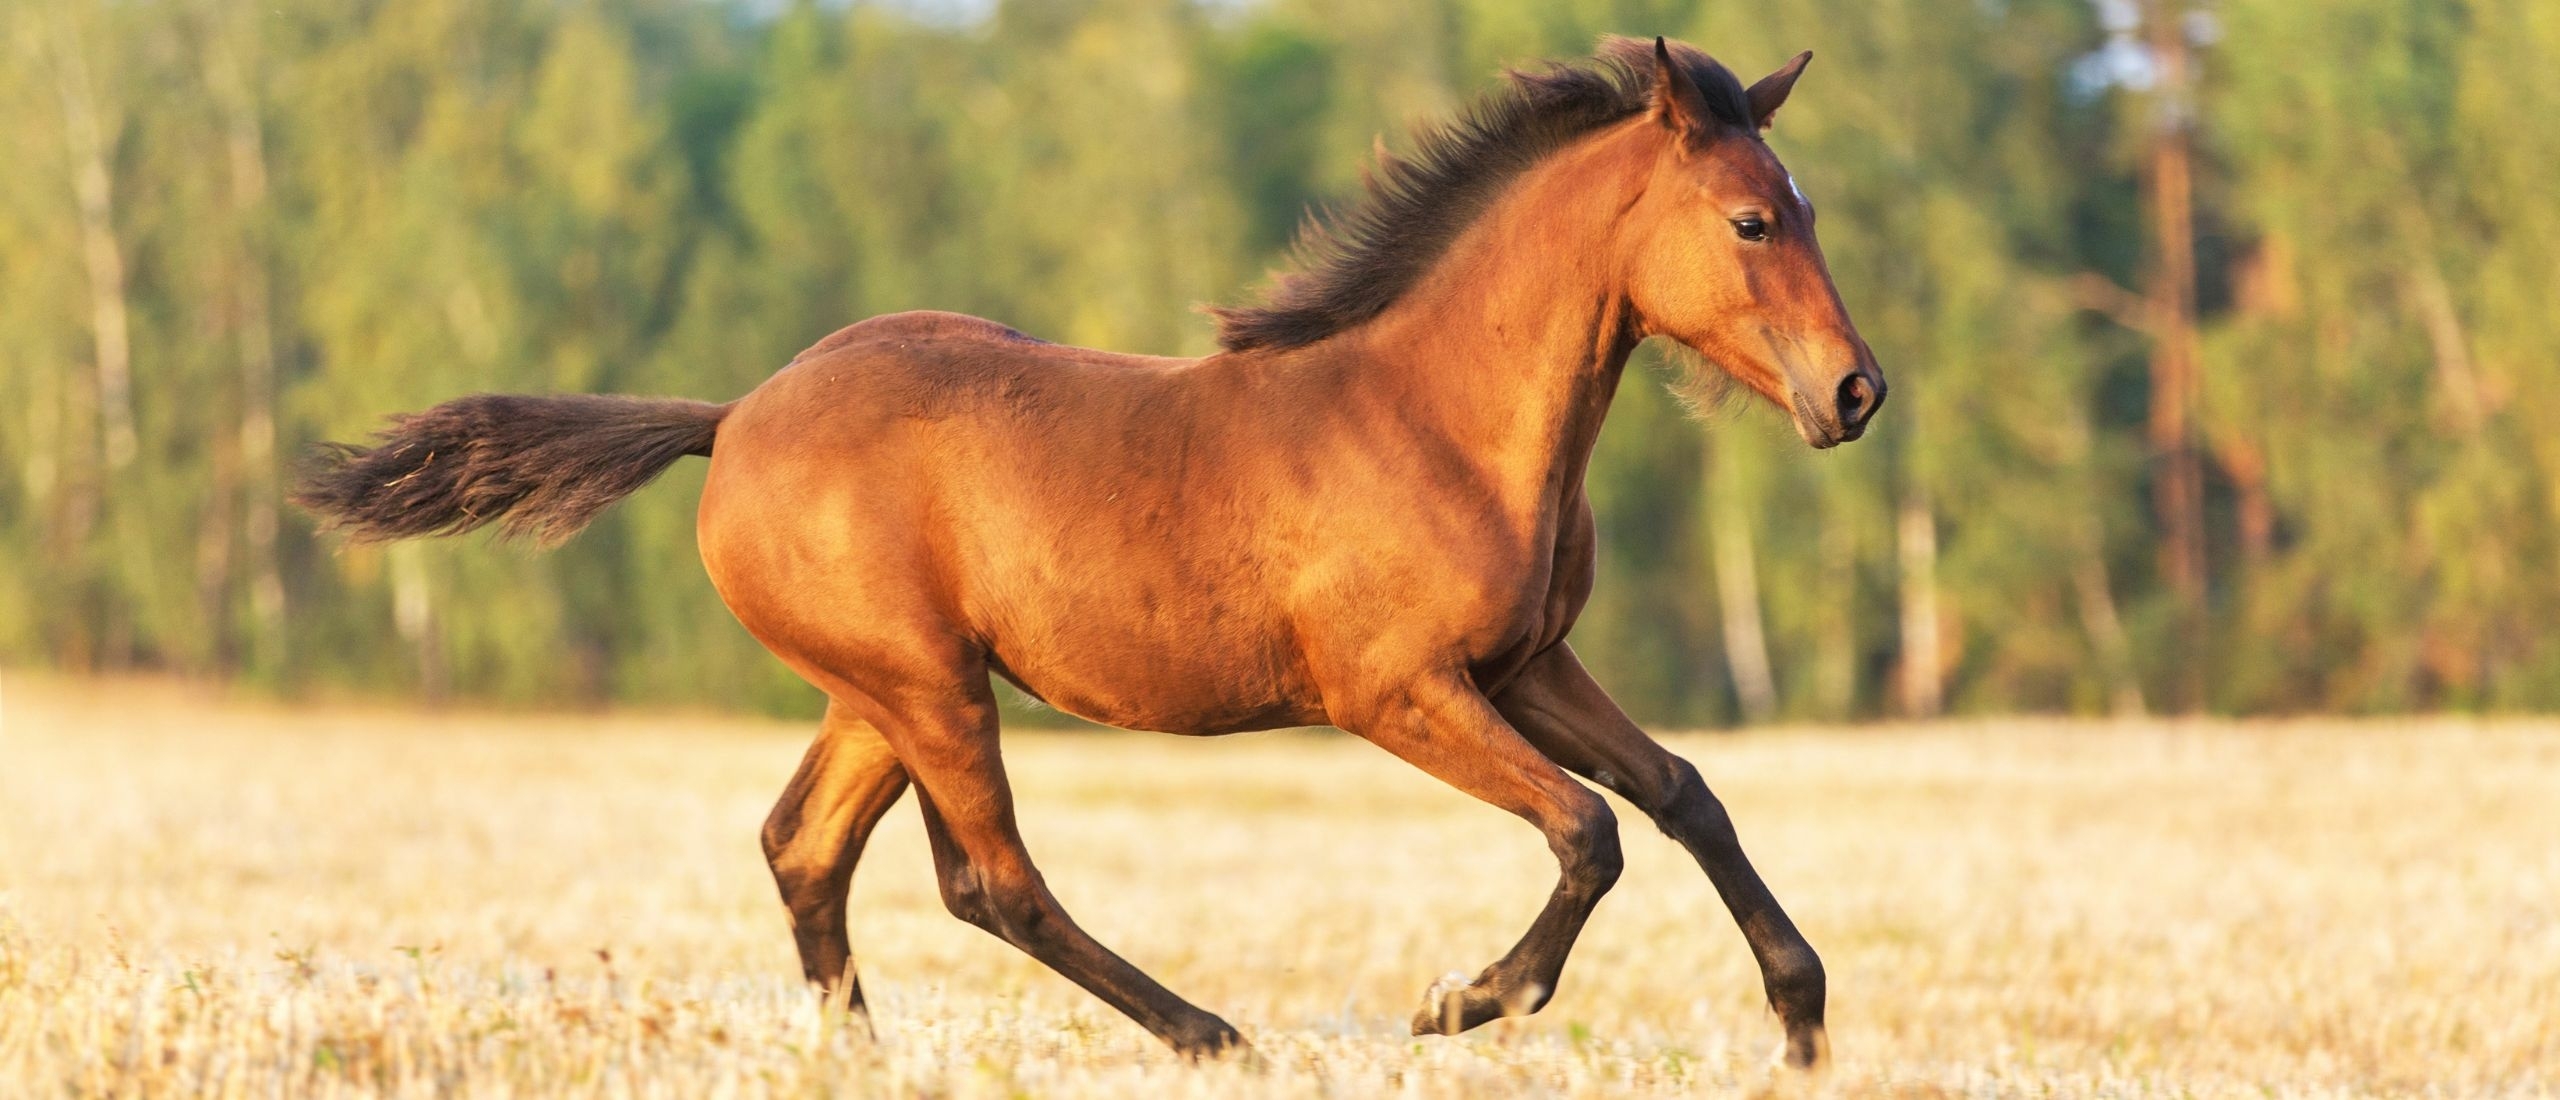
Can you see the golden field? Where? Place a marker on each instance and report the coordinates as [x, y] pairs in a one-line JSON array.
[[200, 897]]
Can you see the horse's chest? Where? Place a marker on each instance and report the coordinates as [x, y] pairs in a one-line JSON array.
[[1550, 599]]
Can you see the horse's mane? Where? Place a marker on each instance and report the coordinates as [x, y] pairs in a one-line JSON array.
[[1352, 265]]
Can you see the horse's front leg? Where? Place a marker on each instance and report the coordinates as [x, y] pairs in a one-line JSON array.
[[1444, 726], [1556, 705]]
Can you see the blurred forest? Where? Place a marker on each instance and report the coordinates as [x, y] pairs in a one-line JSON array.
[[2212, 325]]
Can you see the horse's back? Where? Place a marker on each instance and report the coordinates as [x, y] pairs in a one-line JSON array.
[[928, 367], [917, 325], [918, 404]]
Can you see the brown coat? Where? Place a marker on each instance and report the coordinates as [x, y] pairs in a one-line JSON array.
[[1367, 512]]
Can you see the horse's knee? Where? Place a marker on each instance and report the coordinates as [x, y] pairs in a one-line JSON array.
[[1587, 844]]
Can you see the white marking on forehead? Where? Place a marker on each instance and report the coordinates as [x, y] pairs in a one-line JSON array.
[[1800, 199]]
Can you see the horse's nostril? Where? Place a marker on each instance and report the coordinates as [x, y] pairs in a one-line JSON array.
[[1857, 400]]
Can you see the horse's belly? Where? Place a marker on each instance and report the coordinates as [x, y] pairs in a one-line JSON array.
[[1206, 679]]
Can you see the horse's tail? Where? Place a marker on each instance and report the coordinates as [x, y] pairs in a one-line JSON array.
[[539, 466]]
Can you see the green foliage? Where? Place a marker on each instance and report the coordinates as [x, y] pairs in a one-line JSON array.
[[315, 214]]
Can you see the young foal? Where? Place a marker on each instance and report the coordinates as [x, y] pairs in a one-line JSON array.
[[1367, 511]]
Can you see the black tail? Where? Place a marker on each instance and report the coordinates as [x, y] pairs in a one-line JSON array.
[[539, 466]]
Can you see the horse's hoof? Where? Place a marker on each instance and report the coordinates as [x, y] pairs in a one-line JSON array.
[[1213, 1039], [1454, 1004], [1807, 1049], [848, 1012], [1443, 1006]]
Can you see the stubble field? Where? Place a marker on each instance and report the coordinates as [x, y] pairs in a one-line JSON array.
[[222, 899]]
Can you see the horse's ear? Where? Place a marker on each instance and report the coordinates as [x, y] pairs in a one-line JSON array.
[[1772, 90], [1676, 102]]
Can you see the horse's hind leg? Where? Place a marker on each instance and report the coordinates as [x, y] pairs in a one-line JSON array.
[[1446, 728], [815, 834], [947, 737]]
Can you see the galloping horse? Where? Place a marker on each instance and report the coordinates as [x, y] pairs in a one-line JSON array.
[[1366, 511]]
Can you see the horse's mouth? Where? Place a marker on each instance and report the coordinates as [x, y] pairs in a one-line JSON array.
[[1820, 432]]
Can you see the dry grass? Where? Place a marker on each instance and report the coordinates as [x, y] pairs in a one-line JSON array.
[[209, 899]]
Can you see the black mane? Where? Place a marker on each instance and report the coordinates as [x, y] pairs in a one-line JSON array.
[[1354, 265]]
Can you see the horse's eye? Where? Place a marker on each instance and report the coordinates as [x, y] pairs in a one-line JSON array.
[[1751, 229]]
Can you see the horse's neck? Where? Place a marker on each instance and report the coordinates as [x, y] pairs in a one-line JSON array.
[[1514, 343]]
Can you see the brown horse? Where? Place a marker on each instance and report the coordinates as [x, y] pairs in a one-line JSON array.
[[1367, 511]]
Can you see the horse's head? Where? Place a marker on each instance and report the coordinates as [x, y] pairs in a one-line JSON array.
[[1723, 256]]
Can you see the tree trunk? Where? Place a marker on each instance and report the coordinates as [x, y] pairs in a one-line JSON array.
[[2456, 377], [1835, 676], [98, 440], [2178, 484], [245, 141], [211, 651], [2107, 638], [413, 614], [1746, 648], [2245, 463], [93, 188], [1923, 665]]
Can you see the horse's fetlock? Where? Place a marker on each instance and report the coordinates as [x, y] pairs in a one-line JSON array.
[[1797, 983], [1531, 997]]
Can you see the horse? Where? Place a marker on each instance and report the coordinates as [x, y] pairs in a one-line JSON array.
[[1366, 510]]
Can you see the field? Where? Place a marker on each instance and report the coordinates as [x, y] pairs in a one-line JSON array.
[[200, 897]]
